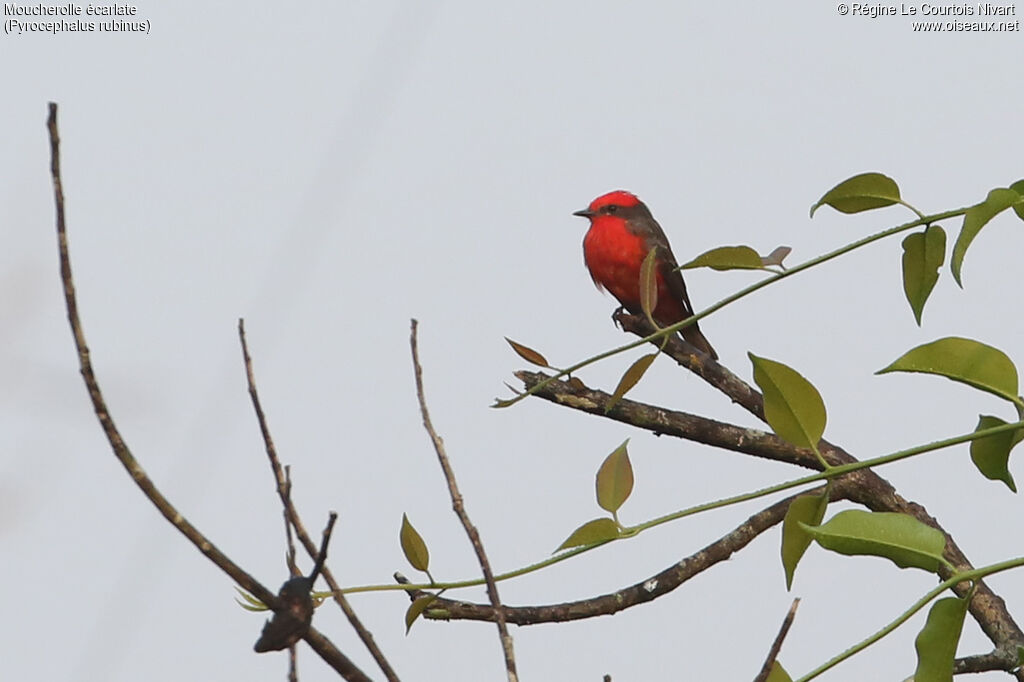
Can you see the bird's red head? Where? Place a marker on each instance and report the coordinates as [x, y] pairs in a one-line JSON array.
[[609, 203]]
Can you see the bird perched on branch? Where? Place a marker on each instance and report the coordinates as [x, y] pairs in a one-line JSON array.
[[622, 232]]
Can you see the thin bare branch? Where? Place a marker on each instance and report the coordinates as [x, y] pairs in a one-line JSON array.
[[773, 653], [996, 660], [282, 478], [293, 665], [662, 421], [291, 559], [323, 646], [460, 510]]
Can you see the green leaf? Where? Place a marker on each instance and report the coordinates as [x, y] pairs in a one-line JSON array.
[[778, 674], [899, 537], [977, 216], [418, 606], [727, 258], [792, 406], [923, 254], [528, 354], [649, 285], [591, 533], [965, 360], [253, 604], [1018, 207], [615, 479], [991, 454], [806, 509], [861, 193], [776, 257], [629, 379], [413, 546], [936, 643]]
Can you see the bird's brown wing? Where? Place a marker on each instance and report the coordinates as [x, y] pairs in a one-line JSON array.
[[668, 268], [667, 265]]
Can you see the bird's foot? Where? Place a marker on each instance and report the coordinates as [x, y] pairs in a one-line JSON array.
[[621, 310]]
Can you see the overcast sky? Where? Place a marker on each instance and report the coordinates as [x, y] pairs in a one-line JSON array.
[[330, 170]]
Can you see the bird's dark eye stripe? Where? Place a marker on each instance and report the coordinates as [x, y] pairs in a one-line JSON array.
[[611, 209]]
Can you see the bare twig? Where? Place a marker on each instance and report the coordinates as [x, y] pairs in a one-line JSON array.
[[291, 559], [282, 478], [323, 646], [773, 653], [293, 570], [321, 556], [460, 511]]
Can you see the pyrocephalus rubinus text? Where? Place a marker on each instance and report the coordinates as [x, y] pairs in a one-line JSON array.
[[622, 232]]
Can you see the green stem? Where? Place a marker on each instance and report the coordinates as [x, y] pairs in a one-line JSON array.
[[629, 531], [973, 574], [832, 472], [912, 208], [557, 558], [817, 453]]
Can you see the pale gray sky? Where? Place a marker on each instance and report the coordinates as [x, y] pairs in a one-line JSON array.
[[329, 170]]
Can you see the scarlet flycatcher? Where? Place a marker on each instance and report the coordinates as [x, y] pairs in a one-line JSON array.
[[622, 232]]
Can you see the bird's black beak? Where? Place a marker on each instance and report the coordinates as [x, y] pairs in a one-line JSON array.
[[584, 213]]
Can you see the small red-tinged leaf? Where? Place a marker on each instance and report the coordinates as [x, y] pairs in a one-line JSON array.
[[591, 533], [964, 360], [649, 285], [806, 509], [629, 379], [977, 216], [528, 354], [898, 537], [923, 255], [936, 643], [727, 258], [776, 257], [861, 193], [1018, 207], [792, 406], [413, 546], [991, 454], [615, 479], [577, 383], [778, 674], [417, 607]]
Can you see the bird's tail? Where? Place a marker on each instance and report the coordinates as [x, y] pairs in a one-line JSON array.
[[695, 338]]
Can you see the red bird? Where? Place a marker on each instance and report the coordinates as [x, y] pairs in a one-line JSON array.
[[622, 232]]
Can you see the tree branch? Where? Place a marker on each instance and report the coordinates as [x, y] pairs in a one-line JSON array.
[[773, 653], [460, 510], [323, 646], [283, 484], [868, 489], [662, 421], [647, 590], [1000, 659]]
